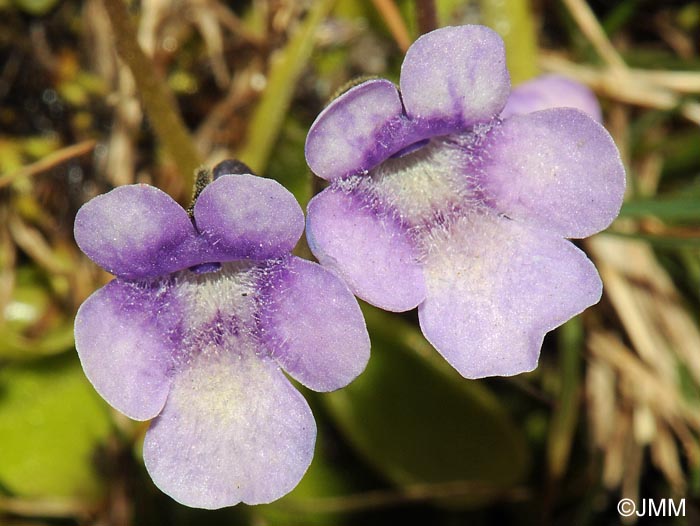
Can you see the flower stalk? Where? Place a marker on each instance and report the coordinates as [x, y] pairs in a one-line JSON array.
[[157, 99]]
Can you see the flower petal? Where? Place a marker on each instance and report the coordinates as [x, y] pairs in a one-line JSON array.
[[356, 131], [369, 250], [495, 287], [122, 351], [248, 217], [135, 231], [234, 429], [317, 331], [455, 74], [551, 91], [557, 168]]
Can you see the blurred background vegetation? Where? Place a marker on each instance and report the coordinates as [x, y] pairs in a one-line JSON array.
[[96, 94]]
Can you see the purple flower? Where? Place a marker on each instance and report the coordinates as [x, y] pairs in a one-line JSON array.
[[551, 91], [198, 325], [436, 202]]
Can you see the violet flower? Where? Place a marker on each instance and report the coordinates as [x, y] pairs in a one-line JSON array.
[[198, 325], [436, 202], [551, 91]]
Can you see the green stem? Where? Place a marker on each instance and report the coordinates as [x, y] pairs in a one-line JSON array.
[[157, 99], [285, 70], [565, 417], [512, 19]]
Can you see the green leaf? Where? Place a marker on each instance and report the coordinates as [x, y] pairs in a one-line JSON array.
[[450, 12], [34, 324], [15, 346], [35, 7], [513, 20], [421, 423], [659, 241], [565, 415], [328, 479], [619, 15], [685, 208], [288, 165], [51, 425]]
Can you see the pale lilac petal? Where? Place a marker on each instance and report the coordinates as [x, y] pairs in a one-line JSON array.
[[495, 288], [314, 326], [248, 217], [356, 131], [233, 430], [551, 91], [371, 251], [455, 74], [122, 350], [556, 168], [135, 231]]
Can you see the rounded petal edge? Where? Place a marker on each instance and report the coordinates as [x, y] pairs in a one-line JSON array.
[[248, 217], [457, 75], [557, 169], [134, 231], [123, 355], [231, 431], [370, 251], [314, 326], [356, 131], [496, 288], [552, 91]]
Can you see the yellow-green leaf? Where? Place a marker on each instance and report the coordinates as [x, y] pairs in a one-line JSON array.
[[51, 425]]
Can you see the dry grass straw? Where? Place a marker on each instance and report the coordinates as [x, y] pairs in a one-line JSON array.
[[49, 162], [395, 22], [634, 379], [634, 383], [650, 89]]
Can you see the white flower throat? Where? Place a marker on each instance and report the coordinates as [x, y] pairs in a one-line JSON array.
[[432, 187]]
